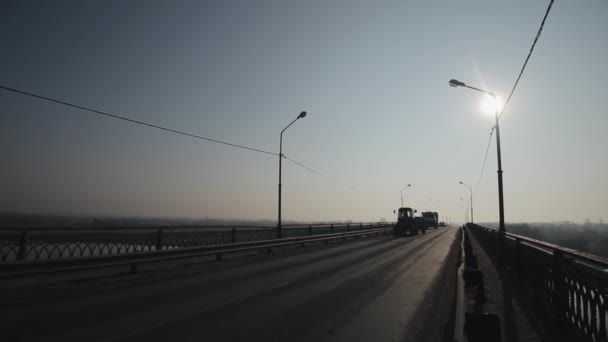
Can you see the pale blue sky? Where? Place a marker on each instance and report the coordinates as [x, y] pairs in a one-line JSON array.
[[371, 74]]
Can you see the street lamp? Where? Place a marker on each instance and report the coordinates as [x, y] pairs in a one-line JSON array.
[[471, 193], [279, 225], [501, 204], [425, 205], [402, 194]]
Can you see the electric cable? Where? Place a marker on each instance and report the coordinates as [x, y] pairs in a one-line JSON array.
[[124, 118], [114, 116], [540, 30], [320, 174], [483, 167], [521, 72]]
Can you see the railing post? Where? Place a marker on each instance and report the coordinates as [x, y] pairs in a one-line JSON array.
[[560, 294], [233, 235], [348, 227], [309, 230], [332, 228], [22, 246], [517, 260], [360, 226], [159, 240], [501, 249]]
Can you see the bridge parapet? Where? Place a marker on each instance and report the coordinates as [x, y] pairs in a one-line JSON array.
[[58, 243], [564, 291]]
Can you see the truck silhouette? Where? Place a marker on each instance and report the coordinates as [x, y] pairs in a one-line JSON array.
[[430, 219], [407, 224]]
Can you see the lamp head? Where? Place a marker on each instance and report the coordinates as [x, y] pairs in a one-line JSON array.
[[455, 83], [408, 185], [461, 183], [302, 115]]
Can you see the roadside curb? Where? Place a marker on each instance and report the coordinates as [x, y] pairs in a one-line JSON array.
[[477, 317]]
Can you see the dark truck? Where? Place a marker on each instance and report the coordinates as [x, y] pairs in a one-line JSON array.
[[430, 219], [406, 223]]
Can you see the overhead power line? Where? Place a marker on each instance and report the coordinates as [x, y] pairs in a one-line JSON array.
[[540, 30], [521, 72], [338, 182], [119, 117], [114, 116], [319, 174], [483, 167]]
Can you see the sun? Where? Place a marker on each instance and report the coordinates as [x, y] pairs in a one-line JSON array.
[[488, 105]]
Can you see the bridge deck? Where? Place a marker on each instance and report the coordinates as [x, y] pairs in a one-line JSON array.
[[376, 289]]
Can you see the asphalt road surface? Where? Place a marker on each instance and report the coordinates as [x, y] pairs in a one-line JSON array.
[[374, 289]]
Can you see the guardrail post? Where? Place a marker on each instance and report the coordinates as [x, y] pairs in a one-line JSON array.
[[159, 240], [560, 292], [332, 228], [309, 230], [22, 246], [502, 250], [518, 259], [233, 235], [348, 227], [360, 226]]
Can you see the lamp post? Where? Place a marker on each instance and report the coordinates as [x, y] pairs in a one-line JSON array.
[[501, 204], [279, 224], [402, 194], [471, 197], [425, 205]]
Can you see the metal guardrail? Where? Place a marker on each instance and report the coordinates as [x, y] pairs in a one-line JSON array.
[[20, 268], [53, 243], [568, 289]]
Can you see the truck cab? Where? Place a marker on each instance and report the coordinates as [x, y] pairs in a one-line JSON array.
[[406, 223], [405, 214]]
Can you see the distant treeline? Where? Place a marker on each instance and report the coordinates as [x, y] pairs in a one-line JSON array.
[[26, 220], [588, 237]]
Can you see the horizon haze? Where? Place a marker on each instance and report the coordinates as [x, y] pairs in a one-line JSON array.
[[372, 77]]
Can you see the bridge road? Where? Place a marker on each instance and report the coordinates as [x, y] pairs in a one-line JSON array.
[[376, 289]]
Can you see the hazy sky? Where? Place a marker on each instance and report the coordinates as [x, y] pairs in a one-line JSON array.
[[372, 76]]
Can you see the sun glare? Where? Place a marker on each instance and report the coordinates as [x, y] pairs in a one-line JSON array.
[[488, 105]]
